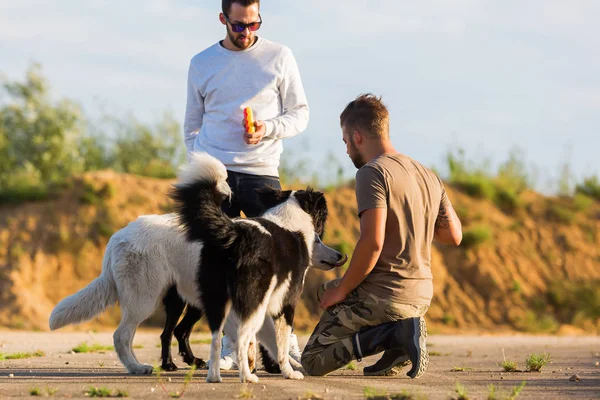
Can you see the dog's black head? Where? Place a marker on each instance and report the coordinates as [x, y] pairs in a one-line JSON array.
[[311, 201], [315, 204]]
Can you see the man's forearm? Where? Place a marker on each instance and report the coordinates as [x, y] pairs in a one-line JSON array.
[[363, 261], [289, 124]]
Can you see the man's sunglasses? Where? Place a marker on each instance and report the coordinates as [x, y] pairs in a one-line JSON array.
[[239, 27]]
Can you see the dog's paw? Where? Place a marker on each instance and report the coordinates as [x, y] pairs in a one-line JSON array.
[[169, 367], [295, 364], [214, 379], [141, 369], [295, 375], [251, 378], [199, 363]]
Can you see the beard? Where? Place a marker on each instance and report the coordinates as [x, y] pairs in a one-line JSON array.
[[239, 43], [357, 159]]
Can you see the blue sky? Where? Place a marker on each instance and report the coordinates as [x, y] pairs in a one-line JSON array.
[[483, 75]]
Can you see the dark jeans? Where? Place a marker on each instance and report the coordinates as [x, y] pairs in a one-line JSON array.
[[244, 196]]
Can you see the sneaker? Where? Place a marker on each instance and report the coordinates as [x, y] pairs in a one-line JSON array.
[[294, 348], [390, 364], [228, 355], [421, 356]]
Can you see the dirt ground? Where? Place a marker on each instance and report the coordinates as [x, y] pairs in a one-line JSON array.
[[71, 375]]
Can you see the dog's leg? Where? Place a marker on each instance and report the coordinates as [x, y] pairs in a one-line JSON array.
[[183, 332], [247, 331], [123, 340], [283, 331], [216, 314], [268, 346], [252, 355], [174, 306]]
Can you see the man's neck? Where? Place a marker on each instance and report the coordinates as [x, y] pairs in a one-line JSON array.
[[378, 149]]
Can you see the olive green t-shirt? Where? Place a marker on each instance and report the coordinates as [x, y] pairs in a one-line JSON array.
[[412, 195]]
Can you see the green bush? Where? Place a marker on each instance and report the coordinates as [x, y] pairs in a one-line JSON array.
[[589, 187], [44, 142], [574, 301], [534, 323], [582, 202], [476, 236], [504, 187], [557, 212]]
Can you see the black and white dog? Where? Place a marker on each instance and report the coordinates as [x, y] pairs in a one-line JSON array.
[[249, 268]]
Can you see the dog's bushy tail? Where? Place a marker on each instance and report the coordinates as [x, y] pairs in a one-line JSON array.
[[89, 301], [198, 194]]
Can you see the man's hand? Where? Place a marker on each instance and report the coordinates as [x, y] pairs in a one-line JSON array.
[[257, 136], [331, 297]]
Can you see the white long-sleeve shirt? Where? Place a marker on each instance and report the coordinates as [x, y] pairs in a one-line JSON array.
[[221, 83]]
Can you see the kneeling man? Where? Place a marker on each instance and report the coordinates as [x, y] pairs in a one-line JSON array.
[[379, 303]]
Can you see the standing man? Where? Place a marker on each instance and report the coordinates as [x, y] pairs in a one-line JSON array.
[[379, 302], [244, 70]]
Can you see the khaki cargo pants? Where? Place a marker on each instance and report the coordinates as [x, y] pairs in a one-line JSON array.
[[330, 345]]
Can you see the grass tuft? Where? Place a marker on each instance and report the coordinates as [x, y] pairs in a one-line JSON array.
[[374, 394], [509, 366], [352, 366], [98, 392], [18, 356], [460, 369], [535, 362], [461, 392], [94, 348], [311, 396], [245, 393]]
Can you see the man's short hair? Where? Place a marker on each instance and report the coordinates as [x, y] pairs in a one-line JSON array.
[[367, 114], [226, 4]]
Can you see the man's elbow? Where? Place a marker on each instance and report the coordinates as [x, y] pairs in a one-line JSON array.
[[457, 239], [449, 238]]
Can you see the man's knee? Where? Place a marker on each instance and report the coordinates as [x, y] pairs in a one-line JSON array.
[[313, 364]]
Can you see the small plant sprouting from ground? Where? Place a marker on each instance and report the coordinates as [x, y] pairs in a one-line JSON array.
[[352, 366], [38, 392], [104, 392], [245, 393], [98, 392], [374, 394], [460, 369], [94, 348], [492, 393], [19, 356], [507, 365], [535, 362], [404, 395], [461, 392], [51, 391], [310, 396], [515, 392], [177, 394]]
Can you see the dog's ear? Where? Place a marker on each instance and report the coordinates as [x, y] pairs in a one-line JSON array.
[[310, 199], [271, 197]]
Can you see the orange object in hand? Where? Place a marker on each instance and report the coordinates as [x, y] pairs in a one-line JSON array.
[[249, 120]]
